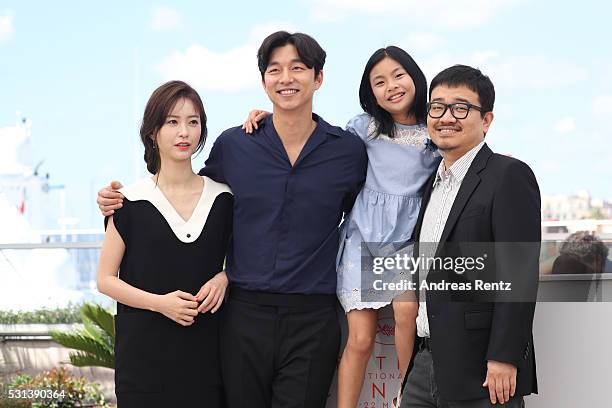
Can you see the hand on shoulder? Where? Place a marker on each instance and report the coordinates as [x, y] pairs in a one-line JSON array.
[[109, 199]]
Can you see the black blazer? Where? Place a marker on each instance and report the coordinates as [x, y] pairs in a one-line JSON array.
[[498, 201]]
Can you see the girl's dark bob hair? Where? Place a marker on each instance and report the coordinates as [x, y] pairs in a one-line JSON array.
[[384, 121], [159, 106]]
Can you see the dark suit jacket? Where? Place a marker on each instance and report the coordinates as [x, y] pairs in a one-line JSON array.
[[498, 201]]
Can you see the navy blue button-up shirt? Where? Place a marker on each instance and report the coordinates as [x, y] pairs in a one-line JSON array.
[[286, 217]]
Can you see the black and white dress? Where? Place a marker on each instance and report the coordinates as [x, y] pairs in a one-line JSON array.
[[160, 363]]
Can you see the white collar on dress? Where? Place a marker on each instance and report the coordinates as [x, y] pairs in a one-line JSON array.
[[186, 231]]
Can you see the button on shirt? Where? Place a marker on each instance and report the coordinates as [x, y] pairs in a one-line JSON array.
[[285, 236], [445, 188]]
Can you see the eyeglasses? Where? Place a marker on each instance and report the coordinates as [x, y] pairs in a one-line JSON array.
[[459, 110]]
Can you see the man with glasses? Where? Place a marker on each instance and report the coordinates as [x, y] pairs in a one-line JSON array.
[[478, 353]]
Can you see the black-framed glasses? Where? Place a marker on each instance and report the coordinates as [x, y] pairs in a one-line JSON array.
[[459, 110]]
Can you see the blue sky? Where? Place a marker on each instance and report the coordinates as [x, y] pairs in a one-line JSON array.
[[82, 72]]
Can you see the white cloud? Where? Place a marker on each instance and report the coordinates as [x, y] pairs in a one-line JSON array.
[[604, 79], [602, 105], [7, 29], [565, 125], [507, 110], [603, 165], [258, 33], [454, 15], [165, 18], [210, 70], [461, 14], [435, 63], [540, 72], [325, 15], [482, 57], [422, 42], [549, 166], [229, 71], [512, 72]]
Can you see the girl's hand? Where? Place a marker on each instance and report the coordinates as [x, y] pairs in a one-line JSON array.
[[254, 117], [182, 307], [212, 293]]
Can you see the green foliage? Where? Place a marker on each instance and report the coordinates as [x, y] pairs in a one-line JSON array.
[[597, 214], [13, 403], [61, 390], [94, 342], [100, 316], [66, 315], [5, 402], [20, 379]]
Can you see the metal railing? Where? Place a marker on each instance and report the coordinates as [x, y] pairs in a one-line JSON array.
[[36, 275], [54, 245]]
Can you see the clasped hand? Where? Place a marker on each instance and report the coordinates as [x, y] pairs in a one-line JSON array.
[[182, 307]]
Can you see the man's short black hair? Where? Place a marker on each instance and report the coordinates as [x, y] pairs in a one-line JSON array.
[[472, 78], [309, 50]]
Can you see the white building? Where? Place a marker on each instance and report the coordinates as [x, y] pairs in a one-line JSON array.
[[32, 274], [577, 206]]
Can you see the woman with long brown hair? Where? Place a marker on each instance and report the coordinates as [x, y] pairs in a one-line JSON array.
[[161, 260]]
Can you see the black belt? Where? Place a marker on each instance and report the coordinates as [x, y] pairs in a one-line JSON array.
[[281, 299], [424, 343]]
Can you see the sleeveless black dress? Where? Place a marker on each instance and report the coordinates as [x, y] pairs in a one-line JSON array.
[[159, 363]]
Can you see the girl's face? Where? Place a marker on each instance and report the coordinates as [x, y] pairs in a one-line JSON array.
[[393, 89], [178, 138]]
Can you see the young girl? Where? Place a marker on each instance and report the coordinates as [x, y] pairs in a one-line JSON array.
[[160, 261], [393, 94]]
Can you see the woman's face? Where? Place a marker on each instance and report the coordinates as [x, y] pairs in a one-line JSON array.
[[393, 88], [178, 138]]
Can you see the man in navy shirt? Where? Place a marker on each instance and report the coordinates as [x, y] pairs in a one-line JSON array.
[[292, 181], [287, 209]]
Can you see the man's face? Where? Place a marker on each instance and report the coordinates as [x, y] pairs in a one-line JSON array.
[[289, 83], [457, 136]]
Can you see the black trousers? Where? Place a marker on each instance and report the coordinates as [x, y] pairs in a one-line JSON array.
[[278, 350], [421, 391], [202, 397]]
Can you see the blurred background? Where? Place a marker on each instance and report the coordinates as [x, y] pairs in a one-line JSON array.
[[75, 76]]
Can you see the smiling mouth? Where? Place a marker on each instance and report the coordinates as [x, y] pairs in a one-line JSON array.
[[447, 131], [287, 91], [396, 96], [183, 145]]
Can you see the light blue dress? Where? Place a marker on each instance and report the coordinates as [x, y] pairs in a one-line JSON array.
[[386, 209]]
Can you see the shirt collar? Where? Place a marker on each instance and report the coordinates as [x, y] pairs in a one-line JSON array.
[[332, 130], [459, 169], [322, 126]]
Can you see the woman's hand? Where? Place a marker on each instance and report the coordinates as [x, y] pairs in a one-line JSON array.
[[212, 293], [254, 117], [182, 307]]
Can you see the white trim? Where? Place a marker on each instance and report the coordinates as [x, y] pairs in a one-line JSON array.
[[146, 190]]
